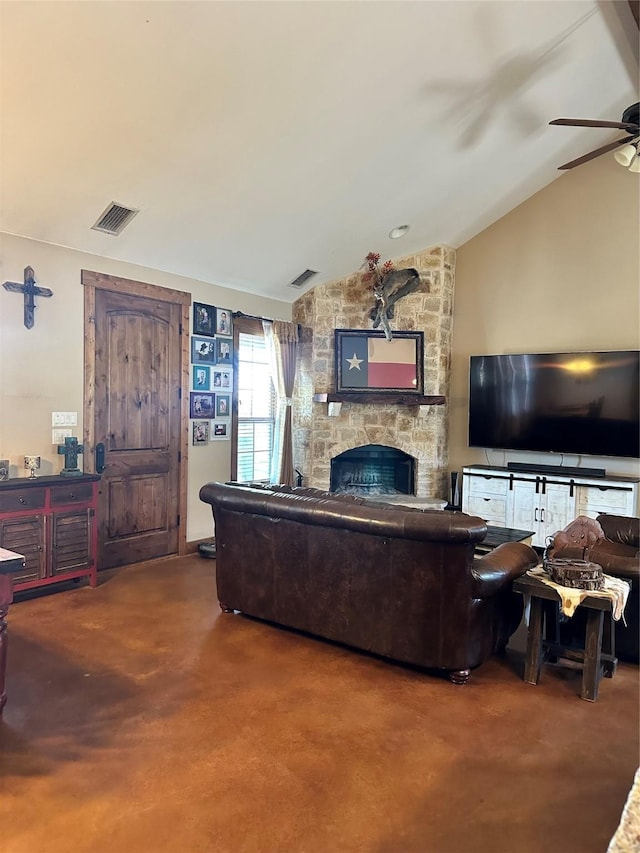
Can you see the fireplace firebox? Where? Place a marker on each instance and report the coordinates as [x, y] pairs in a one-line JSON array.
[[373, 469]]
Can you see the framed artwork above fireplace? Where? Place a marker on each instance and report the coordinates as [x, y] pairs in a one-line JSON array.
[[367, 363]]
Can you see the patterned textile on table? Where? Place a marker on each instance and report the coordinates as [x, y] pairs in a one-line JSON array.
[[615, 589]]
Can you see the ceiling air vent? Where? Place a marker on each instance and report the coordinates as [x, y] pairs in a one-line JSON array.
[[303, 278], [114, 218]]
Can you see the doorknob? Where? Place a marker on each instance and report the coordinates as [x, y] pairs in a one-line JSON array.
[[100, 466]]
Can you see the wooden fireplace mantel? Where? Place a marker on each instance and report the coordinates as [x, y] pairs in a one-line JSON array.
[[398, 399]]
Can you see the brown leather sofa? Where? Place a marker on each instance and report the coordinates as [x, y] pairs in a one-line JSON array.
[[614, 544], [396, 581]]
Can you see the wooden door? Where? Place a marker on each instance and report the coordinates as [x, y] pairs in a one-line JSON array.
[[134, 407]]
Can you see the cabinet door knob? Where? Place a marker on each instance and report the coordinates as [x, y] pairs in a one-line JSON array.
[[22, 500]]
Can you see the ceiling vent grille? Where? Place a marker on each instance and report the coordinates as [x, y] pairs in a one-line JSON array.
[[114, 218], [303, 278]]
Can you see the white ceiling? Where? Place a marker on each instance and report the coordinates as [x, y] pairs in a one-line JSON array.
[[259, 139]]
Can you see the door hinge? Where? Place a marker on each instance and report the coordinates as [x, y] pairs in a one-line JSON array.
[[180, 329], [179, 456], [178, 521], [179, 393]]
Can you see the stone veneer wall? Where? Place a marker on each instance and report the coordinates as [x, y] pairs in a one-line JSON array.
[[419, 431]]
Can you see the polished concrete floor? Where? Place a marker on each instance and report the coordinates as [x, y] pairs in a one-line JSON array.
[[142, 720]]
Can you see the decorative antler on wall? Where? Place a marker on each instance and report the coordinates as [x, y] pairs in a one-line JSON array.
[[389, 285]]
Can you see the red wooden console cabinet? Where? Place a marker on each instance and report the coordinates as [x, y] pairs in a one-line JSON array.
[[52, 522]]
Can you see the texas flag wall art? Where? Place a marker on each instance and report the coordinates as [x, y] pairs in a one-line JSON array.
[[367, 361]]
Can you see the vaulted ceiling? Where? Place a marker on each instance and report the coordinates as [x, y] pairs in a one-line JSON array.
[[261, 139]]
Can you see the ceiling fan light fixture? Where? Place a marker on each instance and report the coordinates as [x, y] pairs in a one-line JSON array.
[[635, 164], [626, 155], [400, 231]]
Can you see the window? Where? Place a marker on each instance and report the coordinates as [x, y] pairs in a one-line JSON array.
[[254, 429]]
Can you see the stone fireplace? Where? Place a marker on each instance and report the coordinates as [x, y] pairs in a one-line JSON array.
[[324, 431]]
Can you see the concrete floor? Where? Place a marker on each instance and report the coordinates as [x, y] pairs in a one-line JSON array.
[[141, 720]]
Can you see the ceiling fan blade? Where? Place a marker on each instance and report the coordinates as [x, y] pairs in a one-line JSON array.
[[598, 151], [585, 122]]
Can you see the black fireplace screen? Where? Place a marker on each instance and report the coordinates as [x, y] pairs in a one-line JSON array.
[[373, 470]]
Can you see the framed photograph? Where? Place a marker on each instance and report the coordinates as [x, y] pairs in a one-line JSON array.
[[220, 431], [222, 379], [200, 432], [203, 350], [223, 405], [366, 362], [224, 353], [204, 319], [223, 321], [201, 405], [201, 377]]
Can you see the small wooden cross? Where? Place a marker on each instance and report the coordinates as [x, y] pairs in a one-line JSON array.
[[30, 291]]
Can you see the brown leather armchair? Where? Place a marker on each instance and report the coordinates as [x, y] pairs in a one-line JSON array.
[[619, 555], [613, 542]]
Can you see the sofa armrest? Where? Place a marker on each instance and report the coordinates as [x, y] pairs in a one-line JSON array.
[[501, 566]]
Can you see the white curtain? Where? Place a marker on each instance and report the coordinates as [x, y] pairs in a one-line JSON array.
[[281, 340]]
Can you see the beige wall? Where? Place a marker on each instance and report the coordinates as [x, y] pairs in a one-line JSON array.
[[41, 369], [558, 273]]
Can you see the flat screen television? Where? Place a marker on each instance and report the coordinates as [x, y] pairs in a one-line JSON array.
[[572, 402]]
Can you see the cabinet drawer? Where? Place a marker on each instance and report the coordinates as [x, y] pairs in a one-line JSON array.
[[73, 493], [491, 509], [604, 500], [594, 497], [18, 499], [476, 485]]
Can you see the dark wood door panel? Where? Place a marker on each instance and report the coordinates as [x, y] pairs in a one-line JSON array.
[[146, 494], [138, 381], [137, 417]]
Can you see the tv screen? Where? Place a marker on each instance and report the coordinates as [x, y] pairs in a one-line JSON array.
[[583, 403]]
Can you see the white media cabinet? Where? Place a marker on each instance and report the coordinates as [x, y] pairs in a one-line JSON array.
[[543, 502]]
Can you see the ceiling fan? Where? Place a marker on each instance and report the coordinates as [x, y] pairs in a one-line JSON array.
[[630, 123]]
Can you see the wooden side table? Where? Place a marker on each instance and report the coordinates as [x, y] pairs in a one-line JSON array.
[[10, 561], [596, 658]]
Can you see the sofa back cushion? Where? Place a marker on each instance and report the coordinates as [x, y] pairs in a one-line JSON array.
[[618, 528]]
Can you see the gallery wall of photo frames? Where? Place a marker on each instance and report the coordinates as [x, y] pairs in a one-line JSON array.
[[211, 374]]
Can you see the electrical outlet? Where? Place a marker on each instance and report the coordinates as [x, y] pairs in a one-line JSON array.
[[58, 435]]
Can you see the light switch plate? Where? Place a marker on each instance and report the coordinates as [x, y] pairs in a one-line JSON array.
[[58, 435], [64, 419]]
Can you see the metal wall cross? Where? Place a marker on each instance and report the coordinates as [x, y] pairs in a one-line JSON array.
[[30, 291]]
